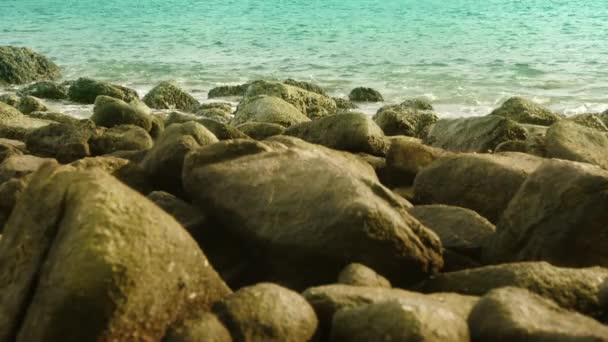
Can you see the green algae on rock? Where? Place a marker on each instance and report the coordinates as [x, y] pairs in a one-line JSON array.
[[23, 65]]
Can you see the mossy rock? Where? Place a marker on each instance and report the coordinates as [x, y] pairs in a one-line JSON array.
[[228, 91], [356, 274], [306, 86], [408, 121], [344, 104], [28, 104], [15, 125], [589, 120], [64, 142], [45, 90], [10, 99], [167, 95], [54, 116], [527, 112], [261, 130], [221, 130], [571, 141], [23, 65], [121, 138], [417, 103], [363, 94], [268, 109], [110, 112], [86, 90]]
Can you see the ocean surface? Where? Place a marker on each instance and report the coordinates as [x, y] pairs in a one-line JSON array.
[[466, 56]]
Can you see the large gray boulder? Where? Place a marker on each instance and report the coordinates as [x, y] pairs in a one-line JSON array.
[[526, 112], [572, 288], [267, 312], [480, 182], [81, 247], [23, 65], [165, 160], [405, 120], [167, 95], [353, 132], [301, 231], [513, 314], [110, 112], [86, 90], [424, 321], [475, 134], [558, 215], [45, 90], [309, 103], [268, 109], [571, 141]]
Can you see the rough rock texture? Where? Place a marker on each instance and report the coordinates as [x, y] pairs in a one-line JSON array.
[[110, 112], [475, 134], [589, 120], [261, 130], [513, 314], [570, 141], [23, 65], [78, 245], [121, 138], [572, 288], [15, 125], [45, 90], [362, 94], [344, 104], [353, 132], [18, 166], [267, 312], [205, 327], [397, 320], [461, 230], [217, 114], [126, 171], [10, 99], [228, 91], [86, 90], [417, 103], [360, 275], [303, 232], [167, 95], [306, 86], [28, 104], [405, 120], [329, 299], [268, 109], [221, 130], [405, 158], [55, 116], [483, 183], [309, 103], [558, 215], [64, 142], [165, 160], [526, 112]]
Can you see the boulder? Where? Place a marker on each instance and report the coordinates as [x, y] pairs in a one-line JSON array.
[[260, 130], [526, 112], [513, 314], [225, 107], [165, 160], [474, 134], [572, 288], [306, 86], [10, 99], [228, 91], [402, 120], [360, 275], [121, 138], [362, 94], [204, 327], [329, 299], [186, 214], [344, 104], [305, 232], [54, 116], [558, 215], [28, 104], [589, 120], [480, 182], [45, 90], [64, 142], [268, 109], [216, 114], [267, 312], [460, 230], [126, 171], [417, 103], [424, 321], [221, 130], [353, 132], [23, 65], [18, 166], [309, 103], [110, 112], [86, 90], [570, 141], [82, 247], [15, 125], [405, 158], [167, 95]]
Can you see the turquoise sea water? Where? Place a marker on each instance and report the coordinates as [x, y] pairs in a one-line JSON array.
[[464, 55]]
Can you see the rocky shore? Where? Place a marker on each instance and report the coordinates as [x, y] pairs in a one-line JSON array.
[[294, 217]]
